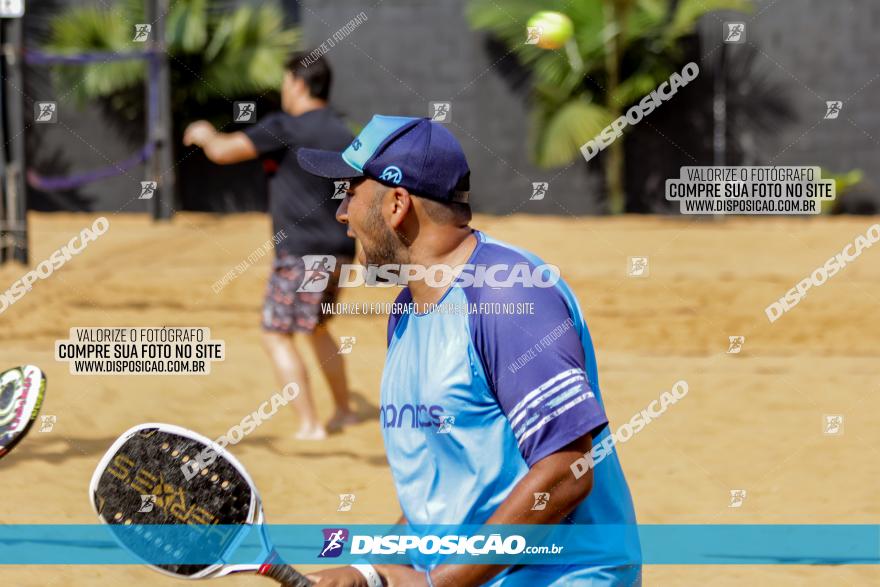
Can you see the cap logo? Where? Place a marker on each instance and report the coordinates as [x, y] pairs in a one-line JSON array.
[[392, 174], [356, 144]]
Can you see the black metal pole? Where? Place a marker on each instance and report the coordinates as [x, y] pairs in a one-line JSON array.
[[15, 235], [4, 193], [159, 114], [719, 110]]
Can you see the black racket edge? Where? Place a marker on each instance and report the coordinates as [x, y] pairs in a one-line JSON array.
[[275, 568], [37, 406]]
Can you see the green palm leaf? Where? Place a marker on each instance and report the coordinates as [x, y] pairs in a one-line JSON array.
[[187, 28], [561, 132], [94, 30], [690, 11], [214, 51], [649, 36]]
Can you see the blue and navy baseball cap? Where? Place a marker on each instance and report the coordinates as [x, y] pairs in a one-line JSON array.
[[413, 153]]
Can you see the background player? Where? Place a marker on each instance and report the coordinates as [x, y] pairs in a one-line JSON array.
[[301, 206], [513, 436]]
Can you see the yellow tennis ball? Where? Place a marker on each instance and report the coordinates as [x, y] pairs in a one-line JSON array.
[[554, 28]]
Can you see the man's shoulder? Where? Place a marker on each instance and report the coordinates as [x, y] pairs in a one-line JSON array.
[[319, 129], [492, 250], [327, 127], [499, 270], [512, 291]]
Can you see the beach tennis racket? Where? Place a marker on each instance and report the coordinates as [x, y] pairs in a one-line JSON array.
[[21, 395], [139, 484]]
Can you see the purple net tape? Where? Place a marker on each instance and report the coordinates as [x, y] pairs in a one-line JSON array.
[[71, 182], [37, 57]]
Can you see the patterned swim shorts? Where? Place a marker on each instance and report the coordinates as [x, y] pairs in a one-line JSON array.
[[287, 310]]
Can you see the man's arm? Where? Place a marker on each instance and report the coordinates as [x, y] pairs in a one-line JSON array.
[[552, 475], [221, 148]]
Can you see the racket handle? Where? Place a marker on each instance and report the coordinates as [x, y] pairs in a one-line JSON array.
[[287, 576], [284, 574]]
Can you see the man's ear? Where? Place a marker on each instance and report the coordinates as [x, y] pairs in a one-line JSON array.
[[289, 79], [297, 84], [401, 204]]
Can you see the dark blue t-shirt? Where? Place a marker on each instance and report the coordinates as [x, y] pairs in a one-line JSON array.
[[300, 203]]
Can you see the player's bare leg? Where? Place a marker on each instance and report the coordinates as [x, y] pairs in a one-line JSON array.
[[289, 367], [333, 366]]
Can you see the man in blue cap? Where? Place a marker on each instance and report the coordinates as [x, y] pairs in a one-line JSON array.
[[477, 423]]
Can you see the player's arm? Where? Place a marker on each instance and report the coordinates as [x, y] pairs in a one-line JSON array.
[[220, 147], [552, 475]]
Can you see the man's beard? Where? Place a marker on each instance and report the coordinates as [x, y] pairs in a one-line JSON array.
[[385, 247]]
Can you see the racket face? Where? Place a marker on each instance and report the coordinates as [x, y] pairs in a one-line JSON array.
[[21, 396], [147, 461]]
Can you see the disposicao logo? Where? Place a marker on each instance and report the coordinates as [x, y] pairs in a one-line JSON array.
[[334, 542]]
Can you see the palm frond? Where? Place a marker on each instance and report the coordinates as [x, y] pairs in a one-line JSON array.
[[248, 51], [187, 28], [215, 50], [690, 11], [91, 29], [649, 38], [560, 132], [637, 85]]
